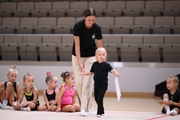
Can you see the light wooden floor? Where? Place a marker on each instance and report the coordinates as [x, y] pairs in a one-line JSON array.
[[125, 109]]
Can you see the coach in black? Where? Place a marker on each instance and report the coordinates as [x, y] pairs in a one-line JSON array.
[[85, 33]]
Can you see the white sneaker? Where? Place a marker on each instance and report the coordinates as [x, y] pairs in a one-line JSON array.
[[83, 113], [90, 111], [98, 116], [4, 104], [173, 112], [25, 109]]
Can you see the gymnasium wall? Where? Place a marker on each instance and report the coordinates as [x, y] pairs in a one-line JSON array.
[[134, 77]]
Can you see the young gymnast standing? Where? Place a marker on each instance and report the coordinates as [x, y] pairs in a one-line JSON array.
[[100, 70]]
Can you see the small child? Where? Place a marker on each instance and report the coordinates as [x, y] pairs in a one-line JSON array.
[[9, 91], [50, 94], [31, 94], [66, 98], [100, 69], [171, 98]]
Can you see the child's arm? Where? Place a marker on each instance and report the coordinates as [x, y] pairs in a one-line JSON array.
[[18, 91], [113, 71], [45, 98], [88, 73], [21, 95], [61, 92], [36, 95], [174, 103]]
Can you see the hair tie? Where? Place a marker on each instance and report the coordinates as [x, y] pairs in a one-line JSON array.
[[48, 74]]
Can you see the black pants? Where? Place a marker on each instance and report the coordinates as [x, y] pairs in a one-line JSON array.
[[99, 96]]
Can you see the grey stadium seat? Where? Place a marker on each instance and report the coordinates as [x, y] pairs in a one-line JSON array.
[[132, 40], [105, 23], [67, 40], [172, 40], [8, 6], [9, 49], [111, 51], [171, 53], [41, 9], [131, 12], [114, 8], [142, 25], [176, 27], [153, 8], [27, 25], [77, 8], [154, 4], [51, 39], [6, 9], [172, 5], [151, 12], [64, 25], [30, 49], [122, 25], [47, 52], [1, 39], [79, 5], [28, 52], [157, 40], [45, 25], [74, 12], [66, 48], [150, 53], [163, 25], [59, 8], [65, 52], [129, 52], [61, 5], [23, 9], [99, 6], [112, 40], [115, 4], [9, 24], [133, 8]]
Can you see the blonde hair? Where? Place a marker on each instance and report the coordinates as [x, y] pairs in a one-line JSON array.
[[101, 49], [175, 79], [27, 75], [12, 70]]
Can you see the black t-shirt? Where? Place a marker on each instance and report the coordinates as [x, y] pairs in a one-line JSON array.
[[87, 38], [101, 74], [174, 97]]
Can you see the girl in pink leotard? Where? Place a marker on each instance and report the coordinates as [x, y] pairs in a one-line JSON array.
[[66, 97]]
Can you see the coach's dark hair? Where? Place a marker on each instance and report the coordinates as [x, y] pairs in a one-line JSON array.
[[89, 12]]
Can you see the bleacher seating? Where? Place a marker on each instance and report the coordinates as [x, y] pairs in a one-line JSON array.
[[115, 17]]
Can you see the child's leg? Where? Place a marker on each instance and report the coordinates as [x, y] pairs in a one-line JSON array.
[[1, 90], [68, 108], [8, 96], [100, 102], [174, 112], [166, 98], [42, 108], [54, 107], [76, 107], [33, 106], [16, 106]]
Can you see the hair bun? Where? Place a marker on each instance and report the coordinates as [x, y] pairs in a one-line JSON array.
[[49, 74]]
